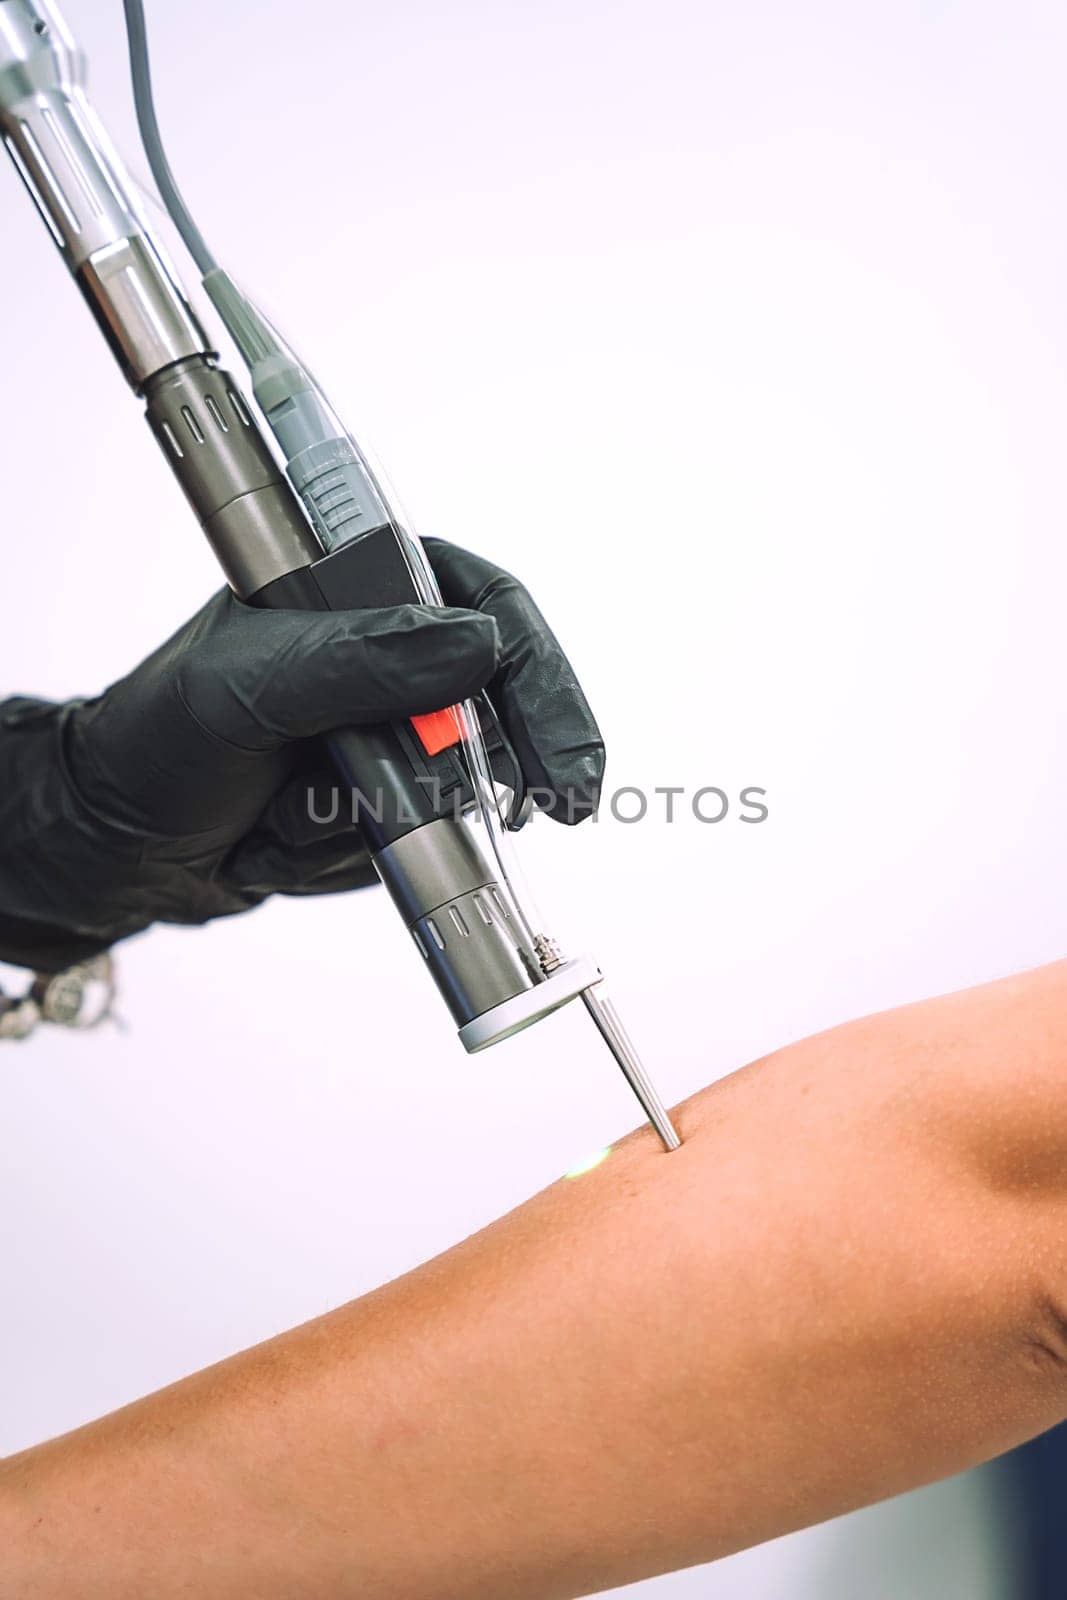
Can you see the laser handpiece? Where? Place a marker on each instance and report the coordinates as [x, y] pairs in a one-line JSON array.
[[326, 535]]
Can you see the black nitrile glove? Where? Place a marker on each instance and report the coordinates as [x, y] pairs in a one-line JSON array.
[[181, 793]]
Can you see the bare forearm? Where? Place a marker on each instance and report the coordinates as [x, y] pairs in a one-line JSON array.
[[844, 1284]]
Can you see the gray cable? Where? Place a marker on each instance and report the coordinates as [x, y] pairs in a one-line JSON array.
[[153, 145]]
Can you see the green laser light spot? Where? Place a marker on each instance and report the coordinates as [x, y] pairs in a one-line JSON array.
[[589, 1163]]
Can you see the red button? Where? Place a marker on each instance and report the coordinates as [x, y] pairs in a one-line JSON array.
[[438, 729]]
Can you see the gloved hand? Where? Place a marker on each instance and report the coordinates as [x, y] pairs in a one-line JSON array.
[[181, 793]]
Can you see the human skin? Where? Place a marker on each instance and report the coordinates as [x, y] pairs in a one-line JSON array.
[[850, 1280]]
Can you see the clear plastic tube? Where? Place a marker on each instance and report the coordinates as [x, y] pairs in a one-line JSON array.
[[476, 756], [344, 496]]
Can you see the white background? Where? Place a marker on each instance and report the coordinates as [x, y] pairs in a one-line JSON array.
[[739, 332]]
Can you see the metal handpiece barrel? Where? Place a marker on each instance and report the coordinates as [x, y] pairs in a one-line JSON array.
[[76, 181]]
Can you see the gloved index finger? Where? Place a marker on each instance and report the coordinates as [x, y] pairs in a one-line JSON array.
[[260, 679], [540, 701]]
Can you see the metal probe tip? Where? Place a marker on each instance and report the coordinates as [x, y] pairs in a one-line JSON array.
[[618, 1042]]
